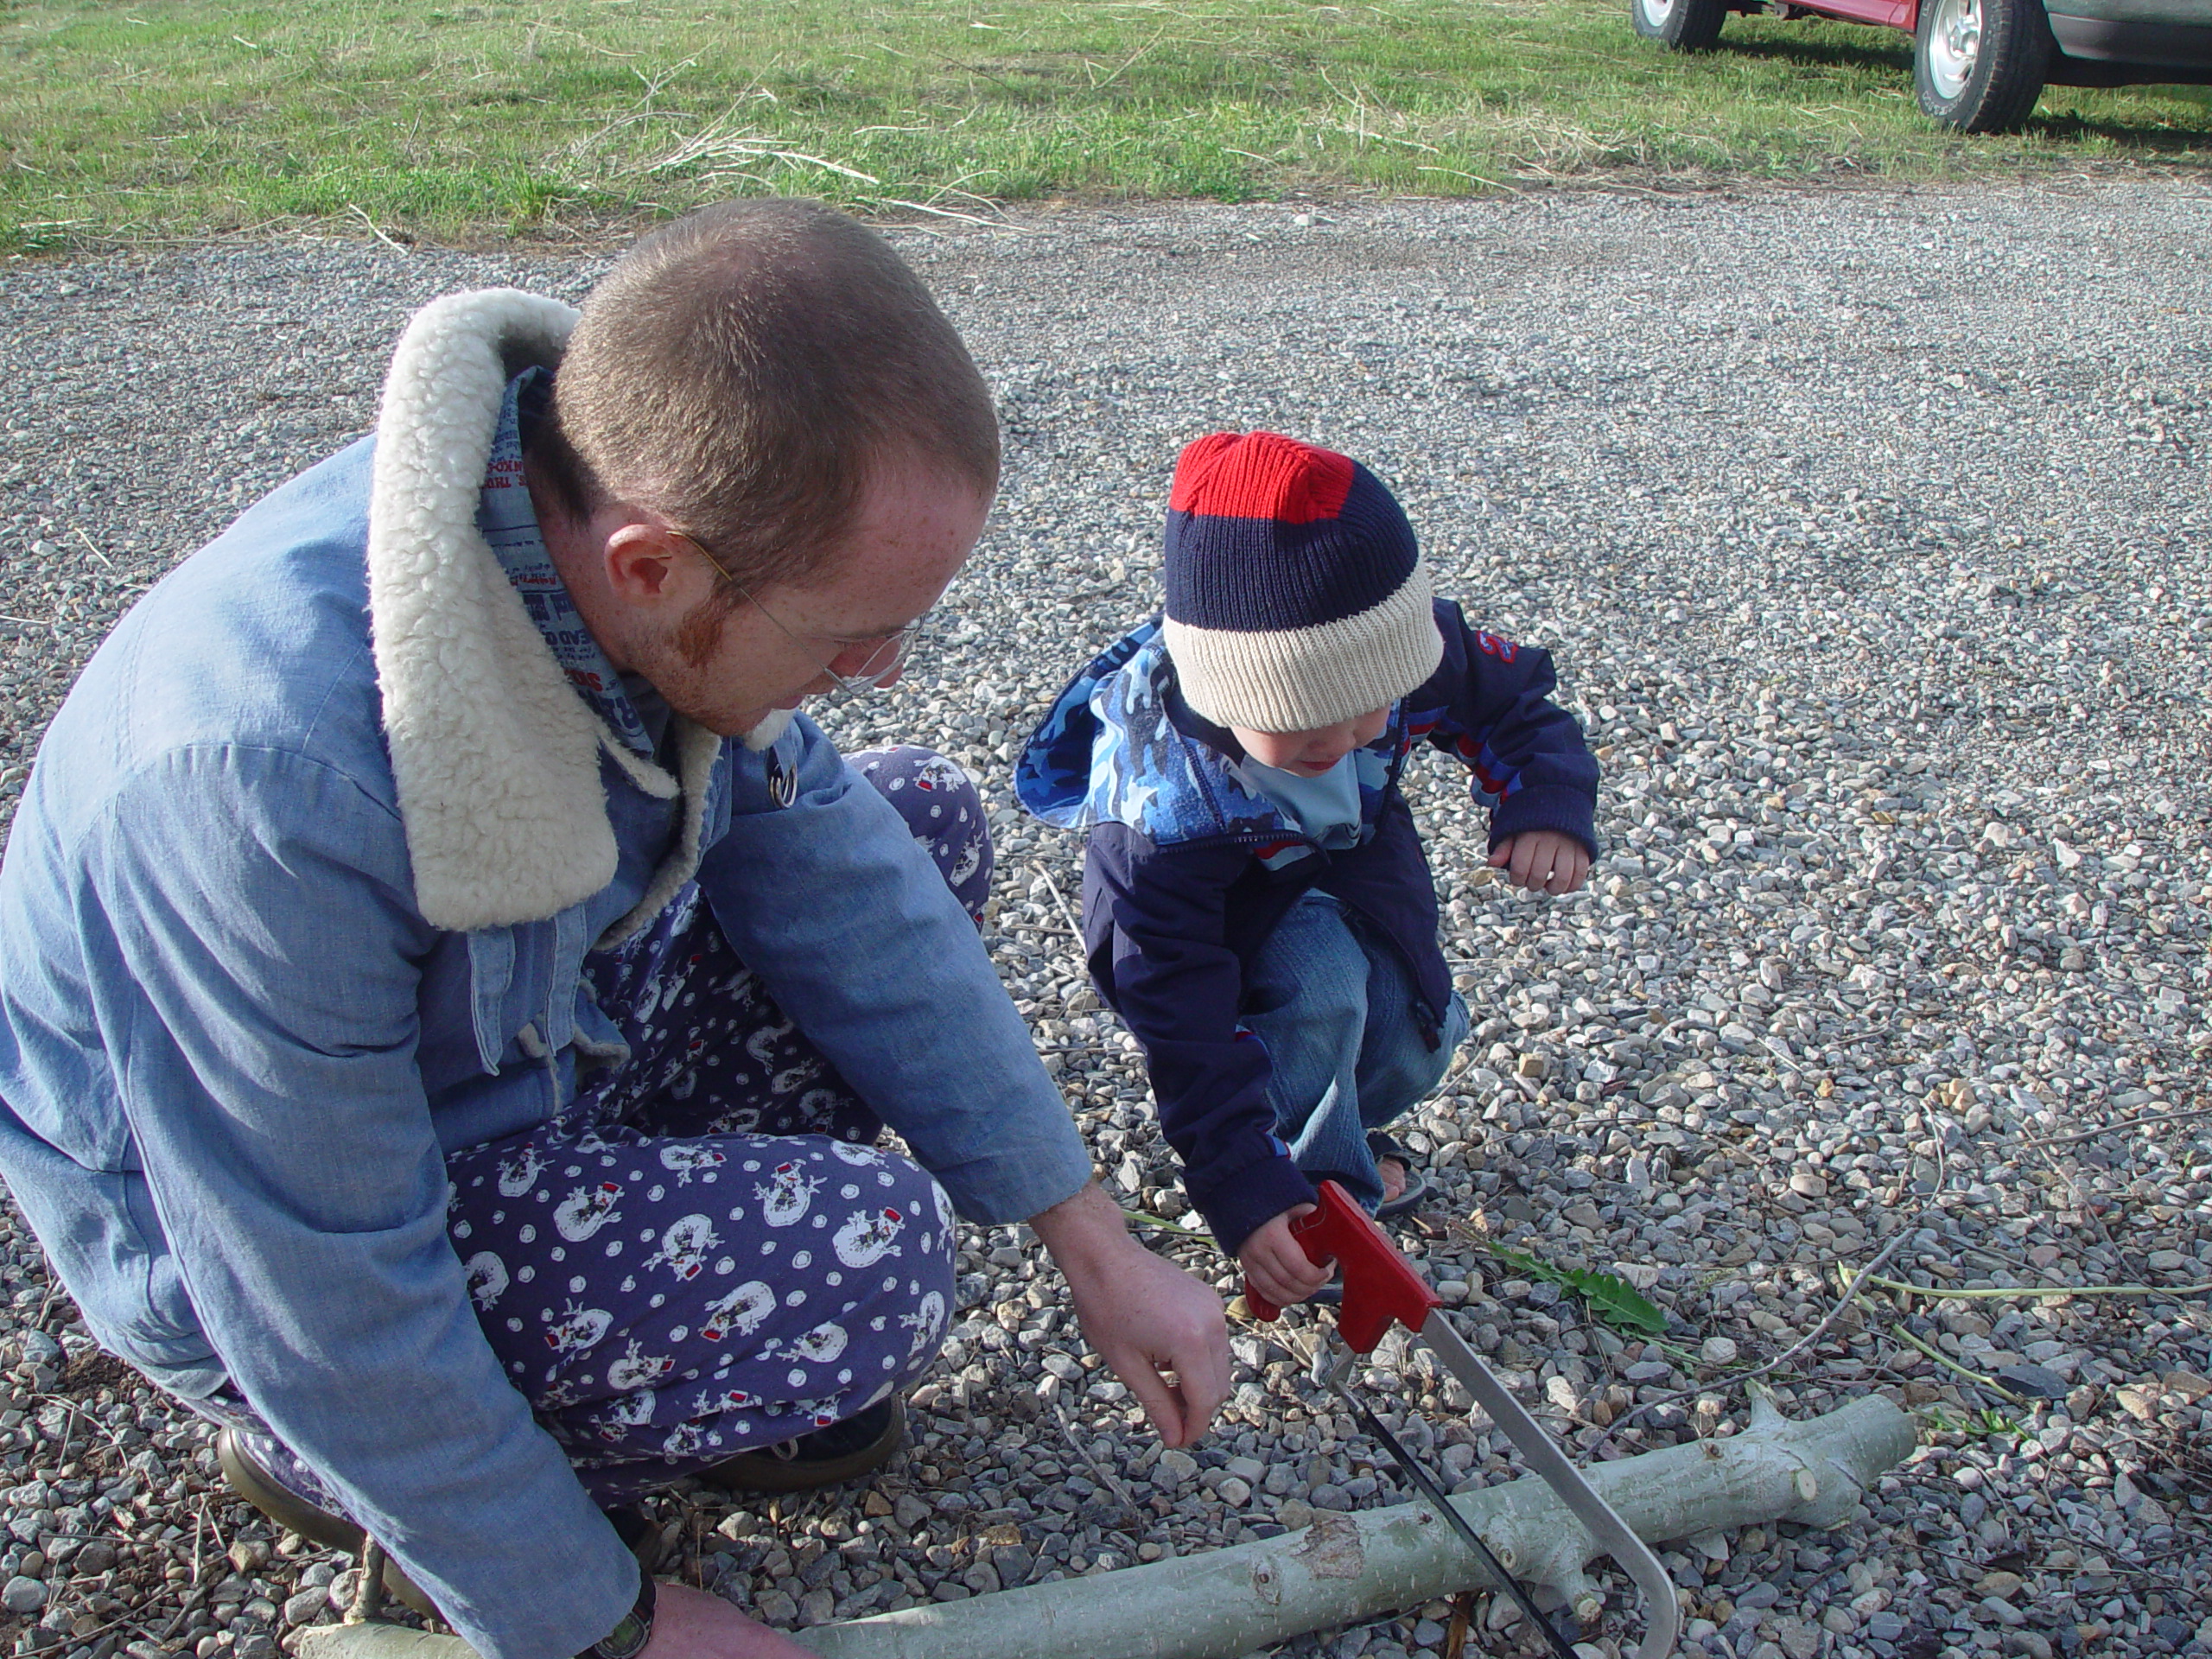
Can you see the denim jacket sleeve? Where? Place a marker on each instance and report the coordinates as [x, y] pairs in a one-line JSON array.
[[852, 929], [256, 991]]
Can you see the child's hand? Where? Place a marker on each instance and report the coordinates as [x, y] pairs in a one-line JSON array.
[[1275, 1265], [1543, 861]]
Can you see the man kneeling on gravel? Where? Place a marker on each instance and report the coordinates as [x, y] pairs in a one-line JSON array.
[[449, 996]]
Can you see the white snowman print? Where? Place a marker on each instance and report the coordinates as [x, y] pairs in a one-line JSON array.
[[714, 1403], [925, 1321], [791, 1079], [661, 997], [684, 1247], [740, 1312], [943, 1206], [684, 1159], [971, 861], [938, 773], [859, 1157], [869, 1236], [820, 1413], [822, 1345], [678, 917], [638, 1371], [519, 1171], [487, 1278], [576, 1328], [587, 1209], [684, 1441], [761, 1044], [789, 1191], [816, 1105], [631, 1411]]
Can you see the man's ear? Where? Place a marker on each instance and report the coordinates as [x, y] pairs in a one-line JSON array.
[[648, 563]]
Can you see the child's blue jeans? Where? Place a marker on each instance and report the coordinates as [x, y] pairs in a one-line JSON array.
[[1348, 1040]]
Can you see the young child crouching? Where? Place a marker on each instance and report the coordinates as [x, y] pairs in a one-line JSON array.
[[1257, 905]]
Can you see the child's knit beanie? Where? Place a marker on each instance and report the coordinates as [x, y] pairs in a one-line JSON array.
[[1296, 597]]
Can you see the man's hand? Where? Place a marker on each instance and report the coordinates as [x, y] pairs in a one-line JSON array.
[[1543, 861], [692, 1624], [1274, 1264], [1159, 1329]]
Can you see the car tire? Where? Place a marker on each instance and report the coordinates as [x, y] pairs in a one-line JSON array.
[[1681, 25], [1979, 65]]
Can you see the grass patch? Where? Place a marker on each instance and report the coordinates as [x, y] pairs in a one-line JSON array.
[[162, 118]]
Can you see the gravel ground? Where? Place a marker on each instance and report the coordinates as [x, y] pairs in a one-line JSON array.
[[1870, 532]]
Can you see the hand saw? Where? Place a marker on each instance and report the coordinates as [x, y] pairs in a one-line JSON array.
[[1381, 1285]]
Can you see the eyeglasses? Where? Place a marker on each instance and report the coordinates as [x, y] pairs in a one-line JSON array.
[[886, 652]]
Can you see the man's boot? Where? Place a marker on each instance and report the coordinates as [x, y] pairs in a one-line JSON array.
[[257, 1467], [843, 1451]]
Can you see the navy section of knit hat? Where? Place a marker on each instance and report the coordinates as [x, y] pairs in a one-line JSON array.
[[1265, 534]]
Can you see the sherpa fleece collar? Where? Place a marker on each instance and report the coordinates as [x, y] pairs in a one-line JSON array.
[[496, 758]]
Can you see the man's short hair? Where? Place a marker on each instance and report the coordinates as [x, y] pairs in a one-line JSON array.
[[745, 371]]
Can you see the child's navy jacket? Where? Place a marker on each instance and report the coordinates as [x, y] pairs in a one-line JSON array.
[[1188, 870]]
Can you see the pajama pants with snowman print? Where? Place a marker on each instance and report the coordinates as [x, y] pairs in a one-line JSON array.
[[705, 1252]]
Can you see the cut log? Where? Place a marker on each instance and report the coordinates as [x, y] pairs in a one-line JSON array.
[[1346, 1568]]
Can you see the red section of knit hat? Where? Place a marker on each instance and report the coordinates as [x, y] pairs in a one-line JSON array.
[[1260, 475]]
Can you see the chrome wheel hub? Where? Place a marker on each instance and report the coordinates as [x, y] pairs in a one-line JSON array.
[[1954, 46]]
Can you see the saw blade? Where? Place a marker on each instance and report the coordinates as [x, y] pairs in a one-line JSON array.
[[1441, 1502]]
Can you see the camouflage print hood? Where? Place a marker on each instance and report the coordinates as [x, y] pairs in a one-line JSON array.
[[1109, 753]]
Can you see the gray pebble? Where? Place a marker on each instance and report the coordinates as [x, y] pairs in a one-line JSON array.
[[22, 1595]]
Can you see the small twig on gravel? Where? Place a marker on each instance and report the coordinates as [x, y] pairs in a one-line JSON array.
[[1948, 1363], [77, 1411], [1107, 1476], [2118, 1129], [368, 1592], [199, 1526], [222, 1544], [1067, 911], [1775, 1364], [361, 213], [1997, 1292], [183, 1611], [130, 1615], [92, 546], [2082, 1199]]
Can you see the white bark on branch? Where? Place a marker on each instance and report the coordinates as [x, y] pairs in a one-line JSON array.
[[1345, 1568]]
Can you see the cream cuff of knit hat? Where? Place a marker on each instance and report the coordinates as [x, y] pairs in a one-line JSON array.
[[1300, 679]]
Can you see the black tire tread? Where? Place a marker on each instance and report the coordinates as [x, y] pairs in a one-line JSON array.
[[2015, 49], [1695, 26]]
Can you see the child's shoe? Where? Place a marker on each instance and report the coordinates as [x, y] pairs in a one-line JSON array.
[[1416, 1188]]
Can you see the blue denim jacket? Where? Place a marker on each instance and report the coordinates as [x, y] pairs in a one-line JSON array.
[[233, 1051]]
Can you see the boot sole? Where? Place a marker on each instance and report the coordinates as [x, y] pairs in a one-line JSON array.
[[757, 1471], [295, 1514]]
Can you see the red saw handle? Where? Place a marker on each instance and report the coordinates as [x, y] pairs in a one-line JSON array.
[[1380, 1284]]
